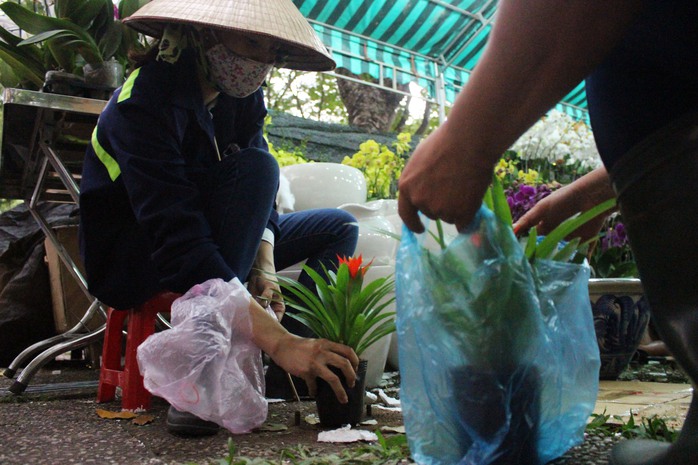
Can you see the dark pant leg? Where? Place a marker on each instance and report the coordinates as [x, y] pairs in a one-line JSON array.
[[318, 235], [239, 202], [648, 80]]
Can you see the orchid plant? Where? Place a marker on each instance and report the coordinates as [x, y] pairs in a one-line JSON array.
[[612, 257], [343, 308], [380, 165], [551, 246]]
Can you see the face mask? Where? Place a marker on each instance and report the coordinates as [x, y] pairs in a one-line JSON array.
[[235, 75]]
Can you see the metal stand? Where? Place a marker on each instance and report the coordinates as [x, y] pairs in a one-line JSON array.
[[45, 177]]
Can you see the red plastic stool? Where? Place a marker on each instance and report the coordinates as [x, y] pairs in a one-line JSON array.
[[141, 324]]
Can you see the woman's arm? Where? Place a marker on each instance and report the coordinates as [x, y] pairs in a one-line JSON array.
[[303, 357]]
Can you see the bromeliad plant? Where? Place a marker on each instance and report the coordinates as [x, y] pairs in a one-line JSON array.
[[344, 308]]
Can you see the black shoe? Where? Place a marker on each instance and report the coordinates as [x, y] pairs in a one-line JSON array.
[[187, 424]]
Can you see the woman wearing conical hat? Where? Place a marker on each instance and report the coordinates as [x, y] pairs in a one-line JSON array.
[[178, 186]]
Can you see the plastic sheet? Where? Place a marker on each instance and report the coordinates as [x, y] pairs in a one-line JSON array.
[[498, 359], [207, 364]]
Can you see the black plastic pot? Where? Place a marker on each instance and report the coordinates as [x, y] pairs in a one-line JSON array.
[[333, 414], [484, 400]]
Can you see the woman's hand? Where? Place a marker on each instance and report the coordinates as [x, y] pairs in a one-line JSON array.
[[311, 358], [305, 358], [262, 283]]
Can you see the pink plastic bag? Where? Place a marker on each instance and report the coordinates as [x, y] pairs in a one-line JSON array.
[[207, 364]]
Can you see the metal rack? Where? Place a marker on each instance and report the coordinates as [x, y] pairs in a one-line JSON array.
[[43, 141]]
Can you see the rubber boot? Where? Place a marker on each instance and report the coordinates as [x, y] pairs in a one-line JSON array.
[[657, 188]]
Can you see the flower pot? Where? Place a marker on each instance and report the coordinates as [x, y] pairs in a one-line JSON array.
[[500, 409], [109, 74], [333, 414], [324, 185], [621, 315]]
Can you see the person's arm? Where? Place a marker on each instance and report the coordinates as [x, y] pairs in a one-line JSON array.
[[538, 50], [579, 196], [303, 357]]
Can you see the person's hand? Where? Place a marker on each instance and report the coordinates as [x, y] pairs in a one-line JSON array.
[[579, 196], [266, 291], [443, 181], [262, 283], [311, 358]]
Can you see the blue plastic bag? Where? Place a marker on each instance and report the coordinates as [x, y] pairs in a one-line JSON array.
[[498, 359]]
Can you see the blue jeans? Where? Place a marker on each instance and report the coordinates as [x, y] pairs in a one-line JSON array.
[[240, 200]]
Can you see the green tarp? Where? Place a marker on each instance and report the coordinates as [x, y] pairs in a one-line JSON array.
[[413, 40]]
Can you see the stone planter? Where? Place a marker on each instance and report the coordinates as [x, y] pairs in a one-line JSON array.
[[621, 315]]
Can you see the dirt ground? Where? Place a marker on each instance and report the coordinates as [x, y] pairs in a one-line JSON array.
[[65, 426]]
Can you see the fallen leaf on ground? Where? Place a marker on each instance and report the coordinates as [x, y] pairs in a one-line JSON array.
[[387, 400], [123, 415], [387, 409], [141, 420], [272, 427]]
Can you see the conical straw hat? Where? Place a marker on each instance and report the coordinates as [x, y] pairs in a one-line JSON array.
[[279, 19]]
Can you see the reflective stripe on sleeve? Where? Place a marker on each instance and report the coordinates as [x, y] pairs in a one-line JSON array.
[[126, 89], [109, 163]]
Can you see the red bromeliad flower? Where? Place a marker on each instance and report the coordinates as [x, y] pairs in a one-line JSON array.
[[354, 265]]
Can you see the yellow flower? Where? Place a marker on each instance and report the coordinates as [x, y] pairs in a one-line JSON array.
[[530, 177]]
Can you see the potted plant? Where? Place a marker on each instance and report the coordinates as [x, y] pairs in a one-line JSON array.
[[79, 39], [343, 308], [487, 314]]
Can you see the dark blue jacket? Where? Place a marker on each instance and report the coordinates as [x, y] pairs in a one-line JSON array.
[[142, 226]]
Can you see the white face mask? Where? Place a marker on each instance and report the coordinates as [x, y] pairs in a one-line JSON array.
[[235, 75]]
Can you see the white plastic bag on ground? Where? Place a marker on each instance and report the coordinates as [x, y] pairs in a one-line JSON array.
[[207, 364]]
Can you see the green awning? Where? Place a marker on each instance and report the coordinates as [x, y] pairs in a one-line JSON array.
[[413, 40]]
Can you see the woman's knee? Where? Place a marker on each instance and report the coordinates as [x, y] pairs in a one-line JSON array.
[[259, 163], [345, 227]]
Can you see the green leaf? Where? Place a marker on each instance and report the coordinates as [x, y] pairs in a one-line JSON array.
[[128, 7], [499, 202], [547, 246], [64, 56], [111, 39], [487, 200], [568, 251], [531, 243], [22, 65], [36, 24], [380, 331], [38, 38], [80, 12]]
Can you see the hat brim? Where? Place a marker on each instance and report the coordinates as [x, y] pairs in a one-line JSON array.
[[278, 19], [297, 56]]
